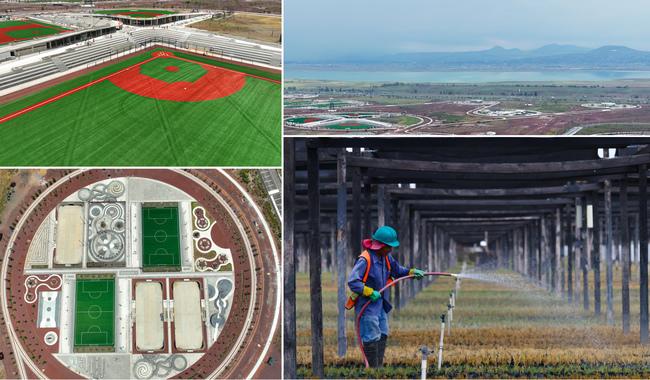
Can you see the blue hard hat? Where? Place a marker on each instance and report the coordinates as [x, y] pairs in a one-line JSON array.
[[386, 235]]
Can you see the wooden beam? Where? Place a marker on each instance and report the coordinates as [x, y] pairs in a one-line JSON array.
[[499, 168], [496, 192], [317, 358], [341, 254], [289, 254]]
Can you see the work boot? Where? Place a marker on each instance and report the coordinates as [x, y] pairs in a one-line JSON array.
[[381, 350], [372, 350]]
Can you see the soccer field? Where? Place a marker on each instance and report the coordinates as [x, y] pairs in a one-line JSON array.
[[94, 313], [154, 109], [17, 30], [161, 243]]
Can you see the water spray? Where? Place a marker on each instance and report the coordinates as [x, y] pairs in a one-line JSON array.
[[392, 283]]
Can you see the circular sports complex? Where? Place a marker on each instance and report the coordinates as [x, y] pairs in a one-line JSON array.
[[141, 274]]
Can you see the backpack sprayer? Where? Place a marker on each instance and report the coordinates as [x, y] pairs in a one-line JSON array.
[[388, 285]]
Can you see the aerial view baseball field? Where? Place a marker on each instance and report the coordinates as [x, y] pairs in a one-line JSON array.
[[155, 108], [113, 87]]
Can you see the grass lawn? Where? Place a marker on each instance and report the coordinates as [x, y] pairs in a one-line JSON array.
[[345, 126], [403, 120], [615, 128], [94, 313], [160, 238], [104, 125], [254, 27], [447, 117]]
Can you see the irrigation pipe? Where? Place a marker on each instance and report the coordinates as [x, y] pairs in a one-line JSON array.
[[365, 306]]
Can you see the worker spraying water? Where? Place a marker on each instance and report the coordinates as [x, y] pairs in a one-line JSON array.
[[374, 272]]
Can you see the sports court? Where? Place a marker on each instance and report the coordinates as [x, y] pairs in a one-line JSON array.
[[160, 237], [188, 327], [69, 236], [94, 313], [149, 324]]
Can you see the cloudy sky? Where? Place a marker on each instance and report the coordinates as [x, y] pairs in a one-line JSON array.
[[321, 29]]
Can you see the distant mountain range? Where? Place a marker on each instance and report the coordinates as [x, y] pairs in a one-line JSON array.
[[549, 57]]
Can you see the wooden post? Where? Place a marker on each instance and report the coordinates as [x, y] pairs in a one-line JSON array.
[[625, 256], [289, 255], [557, 283], [541, 262], [404, 248], [396, 214], [355, 230], [583, 255], [570, 259], [525, 243], [381, 205], [341, 250], [367, 207], [608, 252], [597, 252], [315, 263], [643, 252]]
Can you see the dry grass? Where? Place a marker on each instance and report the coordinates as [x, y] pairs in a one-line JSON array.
[[500, 326], [252, 27]]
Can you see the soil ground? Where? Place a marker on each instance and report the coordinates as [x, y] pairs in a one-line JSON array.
[[248, 26]]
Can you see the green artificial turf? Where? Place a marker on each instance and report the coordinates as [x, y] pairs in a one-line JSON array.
[[94, 313], [187, 71], [160, 238], [303, 120], [6, 24], [104, 125], [153, 12]]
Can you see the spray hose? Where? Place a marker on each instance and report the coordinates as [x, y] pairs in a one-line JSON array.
[[365, 306]]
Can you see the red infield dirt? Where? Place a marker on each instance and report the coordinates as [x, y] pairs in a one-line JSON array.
[[172, 69], [216, 83]]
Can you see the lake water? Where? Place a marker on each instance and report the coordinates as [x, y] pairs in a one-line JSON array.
[[463, 76]]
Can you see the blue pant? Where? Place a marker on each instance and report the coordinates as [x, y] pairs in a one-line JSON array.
[[372, 327]]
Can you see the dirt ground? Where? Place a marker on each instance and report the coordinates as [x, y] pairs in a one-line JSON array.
[[248, 26]]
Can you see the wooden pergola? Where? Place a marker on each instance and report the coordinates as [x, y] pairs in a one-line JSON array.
[[549, 208]]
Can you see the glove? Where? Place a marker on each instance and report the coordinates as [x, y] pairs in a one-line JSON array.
[[371, 293], [419, 274]]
